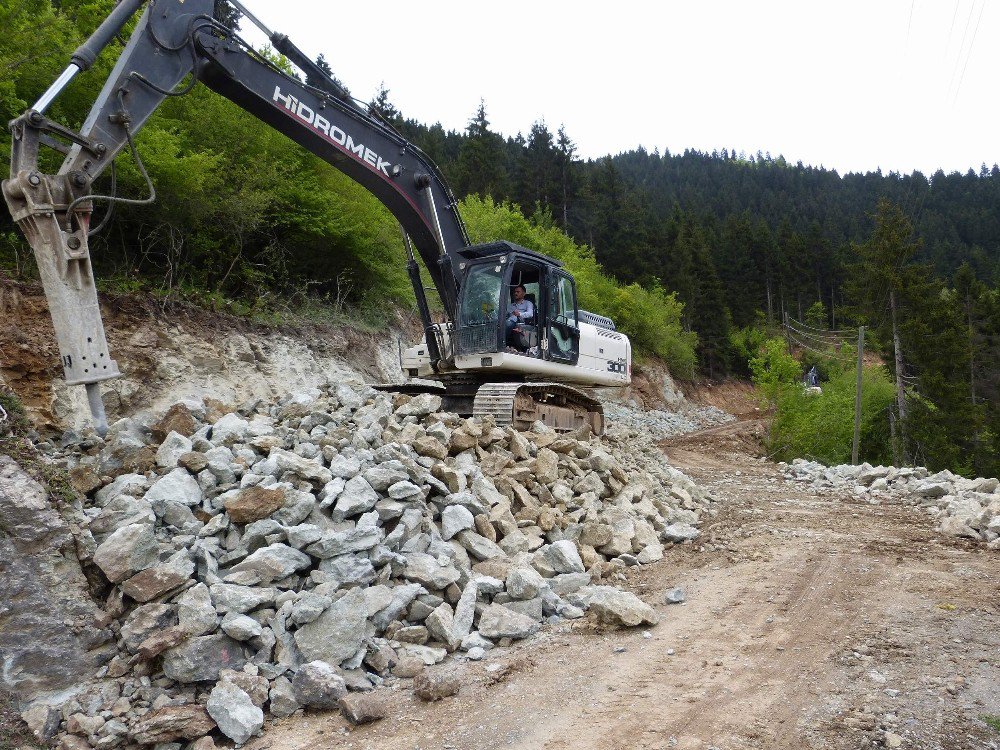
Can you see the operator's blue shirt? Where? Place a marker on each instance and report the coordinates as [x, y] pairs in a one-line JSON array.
[[524, 307]]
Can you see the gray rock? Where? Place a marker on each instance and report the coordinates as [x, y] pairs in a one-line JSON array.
[[426, 570], [125, 484], [240, 627], [402, 597], [297, 508], [199, 659], [348, 570], [318, 685], [334, 543], [349, 397], [435, 685], [127, 551], [497, 621], [273, 563], [234, 712], [345, 467], [480, 547], [679, 532], [195, 612], [465, 611], [564, 557], [176, 488], [383, 476], [229, 597], [615, 607], [356, 498], [121, 511], [529, 607], [405, 490], [525, 583], [305, 468], [675, 596], [440, 624], [932, 489], [309, 606], [567, 583], [454, 519], [230, 429], [363, 708], [282, 698], [303, 535], [476, 640], [338, 633], [42, 586], [172, 448], [420, 405]]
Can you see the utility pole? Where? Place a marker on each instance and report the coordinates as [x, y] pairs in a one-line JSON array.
[[900, 386], [855, 448]]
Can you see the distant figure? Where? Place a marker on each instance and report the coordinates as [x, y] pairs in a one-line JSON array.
[[813, 377]]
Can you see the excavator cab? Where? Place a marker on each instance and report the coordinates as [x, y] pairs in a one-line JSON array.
[[490, 281]]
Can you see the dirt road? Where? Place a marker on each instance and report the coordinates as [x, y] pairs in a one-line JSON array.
[[810, 622]]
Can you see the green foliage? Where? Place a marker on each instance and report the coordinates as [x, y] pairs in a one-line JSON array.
[[650, 316], [774, 370], [993, 722], [746, 344], [816, 315], [821, 427]]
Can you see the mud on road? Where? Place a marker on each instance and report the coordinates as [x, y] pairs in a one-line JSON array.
[[811, 621]]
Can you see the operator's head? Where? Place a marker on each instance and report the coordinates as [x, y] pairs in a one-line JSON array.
[[519, 292]]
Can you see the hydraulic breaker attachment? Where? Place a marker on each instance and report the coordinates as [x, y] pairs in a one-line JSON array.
[[55, 223]]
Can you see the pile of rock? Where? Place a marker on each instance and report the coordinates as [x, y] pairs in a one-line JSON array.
[[661, 424], [277, 557], [963, 507]]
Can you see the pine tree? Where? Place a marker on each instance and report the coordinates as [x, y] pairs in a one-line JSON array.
[[480, 166]]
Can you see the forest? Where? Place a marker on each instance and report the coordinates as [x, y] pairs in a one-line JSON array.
[[700, 257]]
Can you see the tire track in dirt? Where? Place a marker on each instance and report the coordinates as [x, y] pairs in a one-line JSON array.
[[796, 603]]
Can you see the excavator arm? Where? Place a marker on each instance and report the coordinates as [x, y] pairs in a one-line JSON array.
[[175, 44]]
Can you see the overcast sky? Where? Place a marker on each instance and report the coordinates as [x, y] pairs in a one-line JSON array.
[[900, 85]]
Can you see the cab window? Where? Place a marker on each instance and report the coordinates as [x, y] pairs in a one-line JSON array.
[[562, 307], [482, 294]]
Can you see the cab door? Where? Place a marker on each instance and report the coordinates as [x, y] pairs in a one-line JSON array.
[[562, 335]]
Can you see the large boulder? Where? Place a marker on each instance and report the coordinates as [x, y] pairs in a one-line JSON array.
[[200, 659], [234, 712], [42, 589], [615, 607], [338, 633]]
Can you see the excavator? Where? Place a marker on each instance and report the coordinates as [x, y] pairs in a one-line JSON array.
[[482, 358]]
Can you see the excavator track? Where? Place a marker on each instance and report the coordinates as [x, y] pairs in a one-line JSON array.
[[561, 407]]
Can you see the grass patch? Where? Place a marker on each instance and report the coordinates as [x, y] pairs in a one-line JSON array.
[[993, 722]]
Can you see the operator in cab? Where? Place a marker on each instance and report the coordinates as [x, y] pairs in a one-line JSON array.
[[519, 311]]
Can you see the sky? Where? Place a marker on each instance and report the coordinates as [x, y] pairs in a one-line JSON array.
[[896, 85]]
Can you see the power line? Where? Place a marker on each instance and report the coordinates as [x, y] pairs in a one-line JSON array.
[[827, 355], [968, 57], [845, 331]]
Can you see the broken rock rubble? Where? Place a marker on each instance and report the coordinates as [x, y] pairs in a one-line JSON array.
[[962, 507], [288, 556]]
